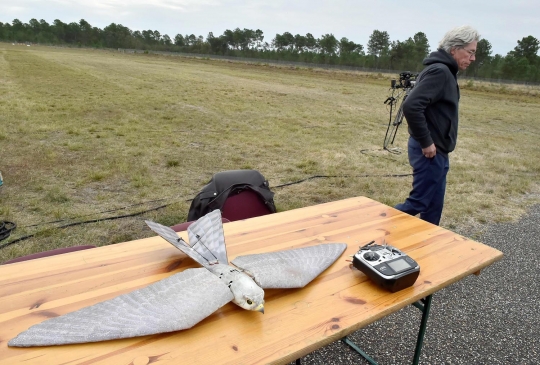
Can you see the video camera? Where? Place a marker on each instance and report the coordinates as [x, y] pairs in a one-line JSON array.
[[406, 80]]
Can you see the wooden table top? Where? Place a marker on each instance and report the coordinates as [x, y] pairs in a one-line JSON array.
[[296, 321]]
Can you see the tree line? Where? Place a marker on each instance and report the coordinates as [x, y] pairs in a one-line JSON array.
[[520, 64]]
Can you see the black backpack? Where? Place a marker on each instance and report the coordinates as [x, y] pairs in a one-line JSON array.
[[223, 184]]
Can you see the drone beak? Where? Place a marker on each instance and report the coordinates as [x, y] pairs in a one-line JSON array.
[[260, 308]]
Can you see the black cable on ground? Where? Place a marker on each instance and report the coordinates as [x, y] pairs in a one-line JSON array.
[[6, 228], [86, 215], [337, 176], [166, 205], [84, 222], [392, 151]]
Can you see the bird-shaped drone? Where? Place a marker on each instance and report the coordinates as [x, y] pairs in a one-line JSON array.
[[184, 299]]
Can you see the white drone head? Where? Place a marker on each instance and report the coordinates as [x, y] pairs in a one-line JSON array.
[[247, 294]]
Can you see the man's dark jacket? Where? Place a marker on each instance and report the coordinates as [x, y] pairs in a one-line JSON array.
[[431, 109]]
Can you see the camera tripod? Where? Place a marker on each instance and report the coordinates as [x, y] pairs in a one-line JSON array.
[[399, 92]]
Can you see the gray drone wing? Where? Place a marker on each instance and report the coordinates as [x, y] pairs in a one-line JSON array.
[[291, 268], [172, 304]]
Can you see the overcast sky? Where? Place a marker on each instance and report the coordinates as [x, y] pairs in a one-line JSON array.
[[502, 23]]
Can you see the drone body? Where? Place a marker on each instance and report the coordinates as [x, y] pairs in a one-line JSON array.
[[246, 293], [184, 299]]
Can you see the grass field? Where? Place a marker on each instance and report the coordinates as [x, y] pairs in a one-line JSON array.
[[88, 135]]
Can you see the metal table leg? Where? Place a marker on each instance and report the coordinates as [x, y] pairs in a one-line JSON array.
[[359, 350], [424, 305]]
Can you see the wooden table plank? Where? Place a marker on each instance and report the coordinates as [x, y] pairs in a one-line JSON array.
[[295, 323]]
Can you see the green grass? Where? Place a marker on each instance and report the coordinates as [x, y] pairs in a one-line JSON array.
[[89, 134]]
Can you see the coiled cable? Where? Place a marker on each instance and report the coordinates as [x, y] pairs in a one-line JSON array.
[[5, 229]]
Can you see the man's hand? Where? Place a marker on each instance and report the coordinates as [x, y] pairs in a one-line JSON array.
[[430, 151]]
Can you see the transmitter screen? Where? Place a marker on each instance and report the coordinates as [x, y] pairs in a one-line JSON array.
[[399, 265]]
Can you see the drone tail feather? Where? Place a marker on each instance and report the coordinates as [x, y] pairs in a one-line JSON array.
[[172, 237], [207, 238]]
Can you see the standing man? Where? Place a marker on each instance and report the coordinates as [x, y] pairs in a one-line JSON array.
[[431, 110]]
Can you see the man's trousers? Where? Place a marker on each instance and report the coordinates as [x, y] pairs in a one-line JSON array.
[[429, 184]]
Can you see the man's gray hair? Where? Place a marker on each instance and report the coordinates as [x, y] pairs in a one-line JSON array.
[[459, 37]]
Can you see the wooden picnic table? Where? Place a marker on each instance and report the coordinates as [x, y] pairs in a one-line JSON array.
[[296, 321]]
